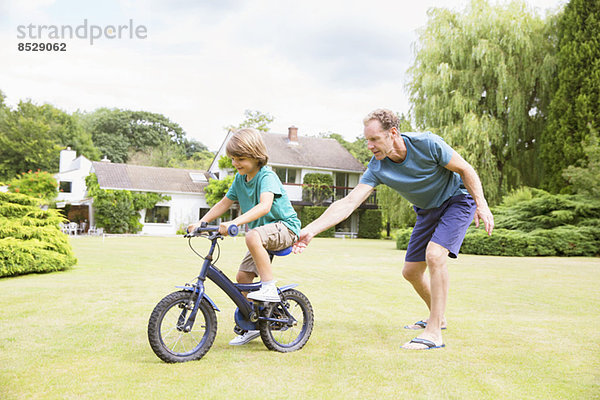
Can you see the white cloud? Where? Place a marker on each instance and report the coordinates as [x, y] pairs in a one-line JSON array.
[[318, 65]]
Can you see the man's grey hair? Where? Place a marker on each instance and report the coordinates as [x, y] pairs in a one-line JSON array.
[[387, 118]]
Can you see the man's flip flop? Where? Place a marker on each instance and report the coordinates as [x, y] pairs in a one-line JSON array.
[[428, 343], [419, 325]]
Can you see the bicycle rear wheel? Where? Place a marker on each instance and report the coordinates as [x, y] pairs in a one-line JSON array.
[[284, 335], [165, 328]]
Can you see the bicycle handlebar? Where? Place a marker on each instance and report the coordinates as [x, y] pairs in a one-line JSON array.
[[232, 230]]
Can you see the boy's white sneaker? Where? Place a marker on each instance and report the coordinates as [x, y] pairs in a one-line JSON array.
[[245, 338], [266, 293]]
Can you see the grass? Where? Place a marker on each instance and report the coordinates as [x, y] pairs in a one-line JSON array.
[[518, 328]]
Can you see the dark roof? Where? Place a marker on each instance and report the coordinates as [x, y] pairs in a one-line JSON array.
[[149, 179], [310, 152]]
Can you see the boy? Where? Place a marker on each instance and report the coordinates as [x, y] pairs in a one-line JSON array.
[[266, 209]]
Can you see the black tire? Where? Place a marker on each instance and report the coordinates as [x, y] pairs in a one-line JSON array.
[[284, 338], [173, 345]]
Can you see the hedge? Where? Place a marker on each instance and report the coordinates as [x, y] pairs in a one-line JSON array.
[[532, 222], [30, 238], [565, 240], [309, 214], [369, 225]]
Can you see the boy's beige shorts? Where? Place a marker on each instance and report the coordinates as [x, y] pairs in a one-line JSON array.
[[274, 237]]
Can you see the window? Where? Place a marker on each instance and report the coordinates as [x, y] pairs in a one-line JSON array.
[[157, 215], [65, 187], [286, 175], [203, 212], [341, 183], [198, 177], [341, 179]]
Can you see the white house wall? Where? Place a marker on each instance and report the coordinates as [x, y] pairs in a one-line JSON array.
[[77, 179], [183, 210], [214, 166], [294, 192]]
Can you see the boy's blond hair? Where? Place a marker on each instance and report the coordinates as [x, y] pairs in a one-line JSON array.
[[387, 118], [248, 142]]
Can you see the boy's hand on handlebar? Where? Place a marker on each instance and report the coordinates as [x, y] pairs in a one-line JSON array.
[[192, 227], [224, 227]]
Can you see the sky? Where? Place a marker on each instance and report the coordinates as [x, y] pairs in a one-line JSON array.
[[320, 65]]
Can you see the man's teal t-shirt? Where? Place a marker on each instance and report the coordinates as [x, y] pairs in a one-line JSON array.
[[422, 177], [248, 195]]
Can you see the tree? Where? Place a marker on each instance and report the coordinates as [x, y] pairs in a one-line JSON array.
[[254, 119], [166, 154], [32, 136], [3, 107], [576, 102], [119, 133], [217, 189], [197, 155], [397, 212], [586, 180], [26, 143], [358, 148], [481, 80]]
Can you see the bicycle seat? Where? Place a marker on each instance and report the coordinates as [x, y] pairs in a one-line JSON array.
[[281, 253]]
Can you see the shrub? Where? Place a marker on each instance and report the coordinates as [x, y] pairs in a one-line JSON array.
[[30, 238], [560, 241], [117, 211], [369, 225], [532, 222], [309, 214], [39, 184], [402, 238], [544, 211]]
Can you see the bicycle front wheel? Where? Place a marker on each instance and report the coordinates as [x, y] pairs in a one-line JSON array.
[[166, 335], [287, 334]]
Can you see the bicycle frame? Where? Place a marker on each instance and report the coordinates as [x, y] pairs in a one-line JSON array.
[[248, 310]]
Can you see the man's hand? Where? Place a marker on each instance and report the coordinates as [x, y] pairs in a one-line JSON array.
[[486, 216], [303, 241]]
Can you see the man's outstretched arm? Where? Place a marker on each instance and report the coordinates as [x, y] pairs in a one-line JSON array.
[[336, 213]]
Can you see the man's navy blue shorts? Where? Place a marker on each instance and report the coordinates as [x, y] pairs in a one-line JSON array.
[[445, 225]]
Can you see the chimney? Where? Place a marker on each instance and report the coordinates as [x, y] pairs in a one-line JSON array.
[[67, 156], [105, 159], [293, 135]]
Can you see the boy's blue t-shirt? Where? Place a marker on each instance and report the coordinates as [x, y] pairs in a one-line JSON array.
[[248, 195], [422, 177]]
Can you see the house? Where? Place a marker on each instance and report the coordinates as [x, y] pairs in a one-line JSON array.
[[72, 191], [292, 157], [185, 187]]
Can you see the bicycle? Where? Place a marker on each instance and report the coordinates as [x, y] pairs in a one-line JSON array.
[[183, 325]]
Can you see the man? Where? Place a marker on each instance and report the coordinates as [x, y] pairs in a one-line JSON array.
[[447, 195]]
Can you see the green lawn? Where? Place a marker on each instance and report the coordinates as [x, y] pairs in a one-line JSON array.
[[518, 328]]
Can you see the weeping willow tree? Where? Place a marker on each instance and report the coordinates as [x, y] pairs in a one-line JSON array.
[[480, 80]]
